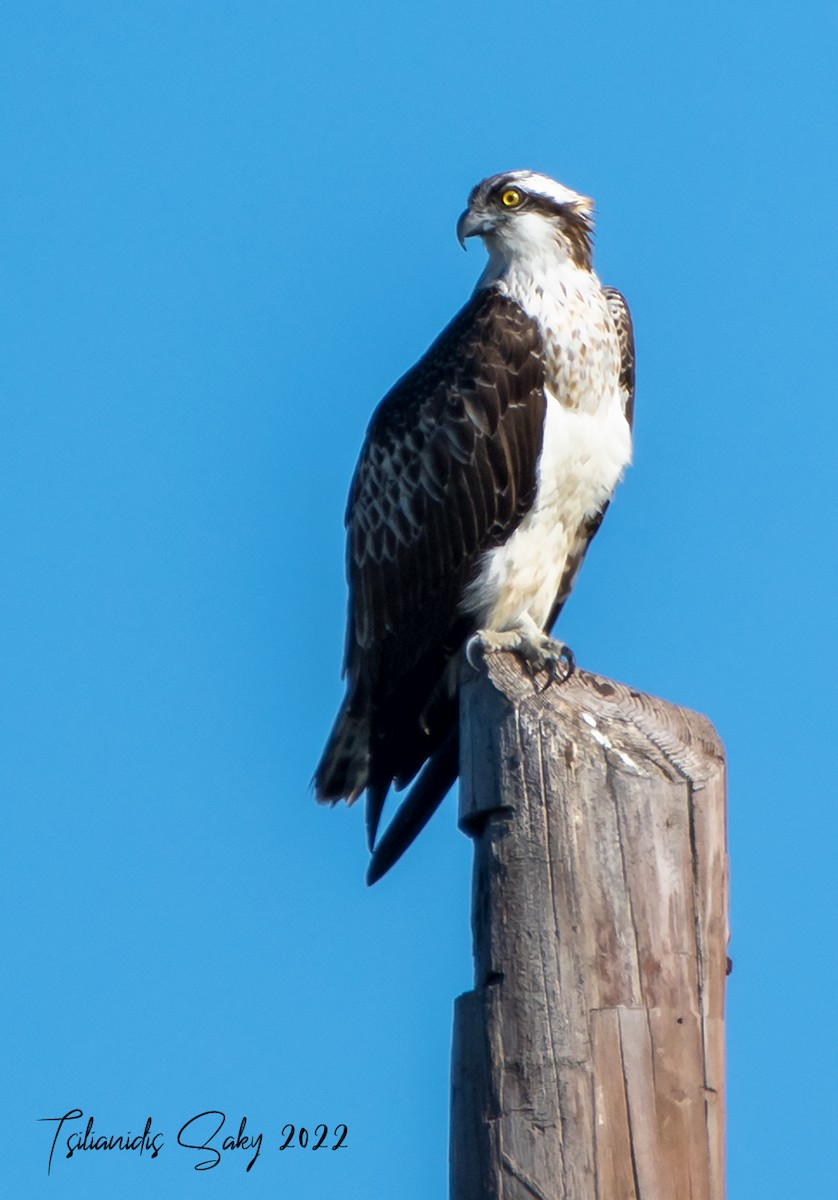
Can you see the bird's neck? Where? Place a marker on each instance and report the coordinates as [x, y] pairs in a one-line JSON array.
[[544, 273], [568, 306]]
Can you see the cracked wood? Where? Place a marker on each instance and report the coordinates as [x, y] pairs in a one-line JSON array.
[[588, 1060]]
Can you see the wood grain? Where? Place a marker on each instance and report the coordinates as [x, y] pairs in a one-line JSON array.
[[588, 1060]]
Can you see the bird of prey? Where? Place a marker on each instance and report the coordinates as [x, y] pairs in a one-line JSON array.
[[485, 472]]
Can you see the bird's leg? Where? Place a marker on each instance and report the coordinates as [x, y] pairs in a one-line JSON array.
[[537, 651]]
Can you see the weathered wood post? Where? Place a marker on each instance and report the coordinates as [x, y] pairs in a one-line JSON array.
[[588, 1061]]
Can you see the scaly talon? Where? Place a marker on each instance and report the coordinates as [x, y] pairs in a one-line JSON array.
[[536, 650]]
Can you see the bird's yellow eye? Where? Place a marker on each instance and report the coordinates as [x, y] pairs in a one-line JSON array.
[[511, 198]]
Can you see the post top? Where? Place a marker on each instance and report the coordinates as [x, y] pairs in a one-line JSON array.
[[638, 733]]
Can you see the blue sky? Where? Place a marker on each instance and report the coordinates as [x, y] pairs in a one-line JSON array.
[[227, 228]]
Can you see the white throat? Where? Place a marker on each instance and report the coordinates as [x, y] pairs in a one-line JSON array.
[[526, 253]]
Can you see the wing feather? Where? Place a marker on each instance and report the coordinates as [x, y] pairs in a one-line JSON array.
[[447, 471], [621, 317]]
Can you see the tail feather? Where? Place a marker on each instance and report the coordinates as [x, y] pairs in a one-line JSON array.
[[343, 771], [424, 798], [376, 795]]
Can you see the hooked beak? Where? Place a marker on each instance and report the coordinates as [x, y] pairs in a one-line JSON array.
[[473, 224]]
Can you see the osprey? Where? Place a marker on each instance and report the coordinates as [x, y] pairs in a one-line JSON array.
[[485, 472]]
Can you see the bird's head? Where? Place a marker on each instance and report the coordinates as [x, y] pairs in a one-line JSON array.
[[524, 214]]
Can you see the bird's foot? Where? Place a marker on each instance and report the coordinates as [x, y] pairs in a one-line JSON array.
[[537, 651]]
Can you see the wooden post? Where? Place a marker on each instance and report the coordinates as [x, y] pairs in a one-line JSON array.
[[588, 1062]]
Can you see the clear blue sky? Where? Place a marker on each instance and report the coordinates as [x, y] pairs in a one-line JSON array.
[[227, 228]]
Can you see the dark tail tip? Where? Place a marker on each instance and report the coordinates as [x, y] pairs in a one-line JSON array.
[[376, 795], [342, 771], [424, 798]]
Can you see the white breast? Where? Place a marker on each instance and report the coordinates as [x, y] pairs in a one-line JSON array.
[[587, 445]]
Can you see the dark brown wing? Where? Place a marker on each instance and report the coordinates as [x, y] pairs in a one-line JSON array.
[[447, 471], [625, 332]]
